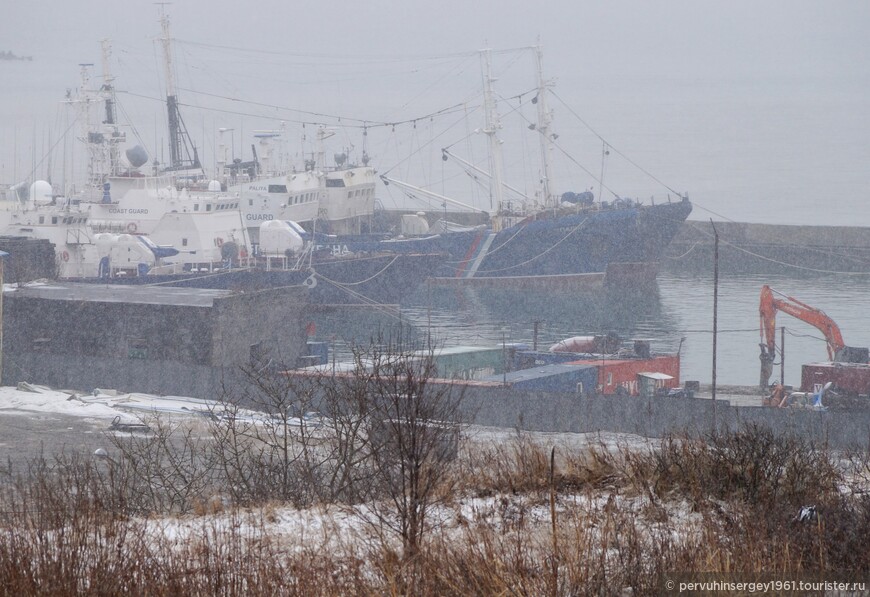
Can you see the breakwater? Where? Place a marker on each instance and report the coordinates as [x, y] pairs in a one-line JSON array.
[[765, 248]]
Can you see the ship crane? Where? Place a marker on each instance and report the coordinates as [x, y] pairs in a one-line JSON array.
[[767, 309]]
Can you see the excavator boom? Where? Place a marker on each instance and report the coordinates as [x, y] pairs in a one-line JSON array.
[[769, 305]]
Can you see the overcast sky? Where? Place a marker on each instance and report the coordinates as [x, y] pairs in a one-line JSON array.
[[738, 37], [743, 104]]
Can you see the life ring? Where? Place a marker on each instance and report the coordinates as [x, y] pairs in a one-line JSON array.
[[219, 241], [64, 256], [131, 227]]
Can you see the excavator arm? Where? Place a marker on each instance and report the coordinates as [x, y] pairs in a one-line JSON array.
[[768, 307]]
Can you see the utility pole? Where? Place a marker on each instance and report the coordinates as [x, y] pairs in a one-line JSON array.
[[535, 336], [715, 312], [782, 356], [504, 355], [3, 256]]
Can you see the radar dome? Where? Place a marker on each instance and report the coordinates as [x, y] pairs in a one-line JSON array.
[[137, 156], [214, 186], [40, 192]]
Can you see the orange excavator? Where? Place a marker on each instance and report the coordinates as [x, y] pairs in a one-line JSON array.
[[767, 309]]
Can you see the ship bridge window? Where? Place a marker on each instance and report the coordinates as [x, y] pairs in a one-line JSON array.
[[54, 219], [42, 219], [277, 188], [208, 207], [334, 182], [196, 207]]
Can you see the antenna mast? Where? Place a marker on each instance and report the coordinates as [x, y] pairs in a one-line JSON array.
[[92, 137], [545, 120], [179, 139], [491, 129], [111, 122]]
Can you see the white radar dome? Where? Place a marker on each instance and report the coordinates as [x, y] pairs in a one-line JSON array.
[[40, 192]]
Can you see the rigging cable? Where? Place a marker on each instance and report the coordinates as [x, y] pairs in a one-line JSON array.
[[603, 140], [539, 255], [779, 262]]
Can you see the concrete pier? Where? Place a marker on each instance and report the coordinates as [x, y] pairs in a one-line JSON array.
[[762, 248]]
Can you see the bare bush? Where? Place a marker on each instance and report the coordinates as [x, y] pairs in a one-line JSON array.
[[263, 444], [413, 432], [752, 464], [166, 471]]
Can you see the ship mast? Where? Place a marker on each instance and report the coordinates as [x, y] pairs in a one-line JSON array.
[[111, 122], [90, 136], [491, 128], [182, 152], [545, 120]]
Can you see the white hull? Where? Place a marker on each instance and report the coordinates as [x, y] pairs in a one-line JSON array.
[[197, 224], [295, 197], [79, 250]]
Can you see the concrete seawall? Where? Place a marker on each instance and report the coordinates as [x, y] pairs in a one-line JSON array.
[[656, 417], [763, 248]]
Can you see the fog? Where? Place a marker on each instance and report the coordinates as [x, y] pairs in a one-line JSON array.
[[758, 110]]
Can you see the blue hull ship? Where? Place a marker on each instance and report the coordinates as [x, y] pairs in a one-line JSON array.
[[613, 243], [352, 280]]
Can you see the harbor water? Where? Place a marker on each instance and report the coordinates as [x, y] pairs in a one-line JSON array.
[[676, 314]]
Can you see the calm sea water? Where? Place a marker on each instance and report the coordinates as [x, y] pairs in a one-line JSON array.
[[676, 315]]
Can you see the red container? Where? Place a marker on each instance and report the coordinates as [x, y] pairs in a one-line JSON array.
[[616, 373], [850, 377]]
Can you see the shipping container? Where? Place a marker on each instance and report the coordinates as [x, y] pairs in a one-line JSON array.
[[847, 377], [470, 362], [528, 359], [579, 379], [619, 376]]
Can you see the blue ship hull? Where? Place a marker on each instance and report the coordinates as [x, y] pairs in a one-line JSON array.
[[629, 239], [382, 279]]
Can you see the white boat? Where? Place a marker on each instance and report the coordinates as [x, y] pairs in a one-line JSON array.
[[80, 251], [204, 226], [340, 197]]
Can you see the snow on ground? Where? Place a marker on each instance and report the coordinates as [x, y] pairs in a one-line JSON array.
[[571, 441], [30, 399], [102, 404], [330, 528]]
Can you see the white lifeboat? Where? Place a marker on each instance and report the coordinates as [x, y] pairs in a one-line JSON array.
[[575, 344]]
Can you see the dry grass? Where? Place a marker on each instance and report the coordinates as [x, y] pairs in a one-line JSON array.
[[624, 520]]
